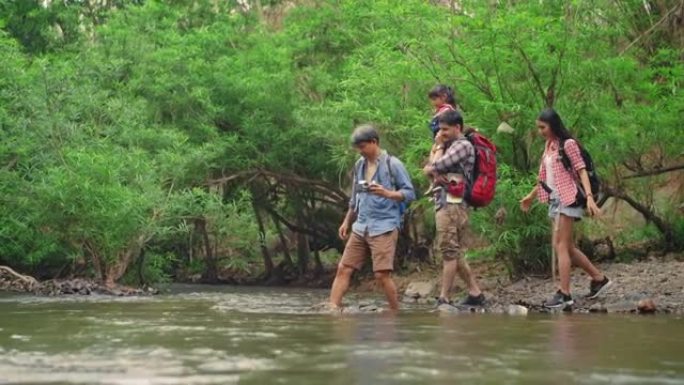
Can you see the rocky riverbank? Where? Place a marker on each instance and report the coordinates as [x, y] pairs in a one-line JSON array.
[[641, 287], [13, 281]]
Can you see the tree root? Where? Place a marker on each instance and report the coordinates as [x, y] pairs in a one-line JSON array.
[[29, 282]]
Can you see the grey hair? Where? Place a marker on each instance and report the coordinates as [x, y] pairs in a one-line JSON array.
[[364, 133]]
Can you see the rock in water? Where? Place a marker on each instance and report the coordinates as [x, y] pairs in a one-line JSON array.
[[646, 306], [620, 307], [419, 289], [516, 310], [446, 308], [326, 307]]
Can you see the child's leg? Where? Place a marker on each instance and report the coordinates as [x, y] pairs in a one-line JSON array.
[[431, 186]]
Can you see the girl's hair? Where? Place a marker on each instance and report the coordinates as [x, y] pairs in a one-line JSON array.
[[443, 90], [551, 117]]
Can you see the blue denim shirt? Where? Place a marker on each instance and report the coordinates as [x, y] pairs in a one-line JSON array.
[[376, 215]]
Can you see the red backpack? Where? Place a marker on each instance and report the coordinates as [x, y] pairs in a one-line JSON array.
[[482, 183]]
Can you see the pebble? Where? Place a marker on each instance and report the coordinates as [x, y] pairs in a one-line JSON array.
[[646, 306], [516, 310], [420, 289]]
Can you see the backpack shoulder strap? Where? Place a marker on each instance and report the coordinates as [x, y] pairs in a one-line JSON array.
[[393, 178], [357, 166], [563, 155]]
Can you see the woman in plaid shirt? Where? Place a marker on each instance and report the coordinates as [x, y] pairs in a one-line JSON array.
[[560, 187]]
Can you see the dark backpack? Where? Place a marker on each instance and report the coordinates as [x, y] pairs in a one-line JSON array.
[[481, 185], [594, 181]]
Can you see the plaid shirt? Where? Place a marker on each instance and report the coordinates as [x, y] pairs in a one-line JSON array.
[[458, 158], [565, 181]]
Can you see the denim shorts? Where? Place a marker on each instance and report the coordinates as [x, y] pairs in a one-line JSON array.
[[556, 208]]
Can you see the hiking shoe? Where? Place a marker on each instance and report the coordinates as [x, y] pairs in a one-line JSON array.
[[443, 301], [597, 288], [559, 300], [472, 300]]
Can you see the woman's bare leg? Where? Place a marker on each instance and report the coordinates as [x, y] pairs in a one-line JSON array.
[[580, 260], [563, 245]]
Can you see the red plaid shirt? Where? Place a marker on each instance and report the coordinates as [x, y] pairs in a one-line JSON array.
[[565, 181]]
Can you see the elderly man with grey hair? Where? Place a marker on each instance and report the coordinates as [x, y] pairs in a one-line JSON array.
[[380, 186]]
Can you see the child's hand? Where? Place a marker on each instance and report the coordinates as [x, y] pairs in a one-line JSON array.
[[440, 179], [441, 138]]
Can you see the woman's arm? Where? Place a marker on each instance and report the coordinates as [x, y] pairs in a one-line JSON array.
[[592, 207], [574, 153], [526, 202]]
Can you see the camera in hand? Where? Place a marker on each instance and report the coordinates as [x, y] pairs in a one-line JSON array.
[[363, 186]]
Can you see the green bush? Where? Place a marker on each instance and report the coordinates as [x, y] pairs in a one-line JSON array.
[[115, 130], [521, 241]]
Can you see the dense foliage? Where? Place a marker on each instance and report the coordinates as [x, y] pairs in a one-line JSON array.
[[146, 139]]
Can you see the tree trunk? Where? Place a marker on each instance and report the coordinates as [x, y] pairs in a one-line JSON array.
[[98, 264], [648, 214], [302, 253], [283, 242], [116, 270], [141, 267], [318, 263], [268, 261], [211, 271]]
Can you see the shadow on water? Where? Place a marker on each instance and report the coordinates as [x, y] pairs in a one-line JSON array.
[[220, 335]]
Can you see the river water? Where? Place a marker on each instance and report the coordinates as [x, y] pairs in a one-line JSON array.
[[224, 335]]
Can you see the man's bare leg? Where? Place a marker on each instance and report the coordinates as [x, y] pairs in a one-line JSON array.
[[340, 284], [467, 276], [384, 279], [448, 275]]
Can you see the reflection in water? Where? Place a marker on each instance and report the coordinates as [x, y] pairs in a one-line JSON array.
[[369, 340], [252, 336], [564, 340]]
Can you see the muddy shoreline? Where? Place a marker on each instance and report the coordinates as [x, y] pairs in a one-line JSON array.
[[659, 283]]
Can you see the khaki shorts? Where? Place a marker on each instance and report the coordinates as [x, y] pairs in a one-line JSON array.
[[452, 226], [380, 248]]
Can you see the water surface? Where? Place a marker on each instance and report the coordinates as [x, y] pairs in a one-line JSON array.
[[224, 335]]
